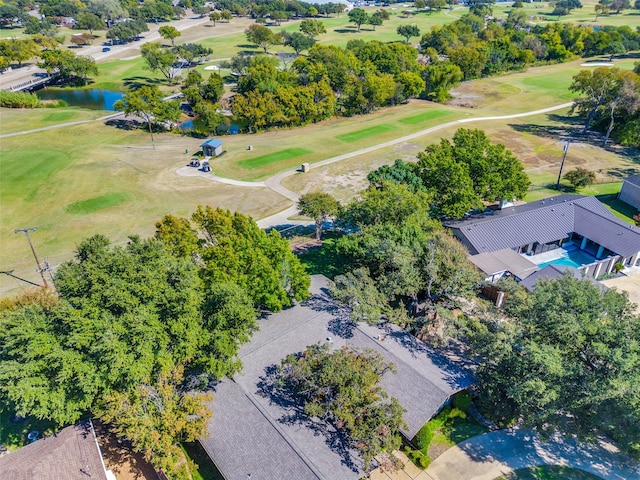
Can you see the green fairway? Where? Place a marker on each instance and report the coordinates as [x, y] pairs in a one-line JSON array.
[[98, 203], [424, 116], [19, 119], [282, 155], [365, 133]]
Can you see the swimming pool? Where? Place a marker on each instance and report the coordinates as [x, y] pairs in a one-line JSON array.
[[573, 258]]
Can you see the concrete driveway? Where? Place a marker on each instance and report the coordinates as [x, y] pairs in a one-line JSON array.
[[630, 283], [493, 454]]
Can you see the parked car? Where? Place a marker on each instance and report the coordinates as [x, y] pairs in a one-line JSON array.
[[194, 162], [106, 49], [206, 167]]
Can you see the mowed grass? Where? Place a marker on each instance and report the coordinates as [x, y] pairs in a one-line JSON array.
[[365, 133], [92, 205], [425, 116], [282, 155], [91, 178], [15, 120]]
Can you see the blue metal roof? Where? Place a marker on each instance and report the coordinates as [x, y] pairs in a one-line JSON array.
[[214, 142]]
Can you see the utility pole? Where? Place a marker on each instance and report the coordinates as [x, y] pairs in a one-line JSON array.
[[564, 157], [33, 250]]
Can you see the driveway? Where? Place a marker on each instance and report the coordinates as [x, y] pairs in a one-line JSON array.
[[630, 283], [493, 454]]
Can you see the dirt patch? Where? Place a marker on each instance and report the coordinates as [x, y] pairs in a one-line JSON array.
[[437, 449], [120, 458], [306, 247]]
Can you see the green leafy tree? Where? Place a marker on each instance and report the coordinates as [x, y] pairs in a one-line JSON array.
[[440, 78], [125, 326], [141, 103], [226, 15], [298, 41], [312, 28], [580, 177], [90, 21], [67, 64], [261, 36], [358, 16], [169, 33], [319, 206], [342, 387], [18, 50], [235, 250], [214, 17], [567, 362], [160, 59], [408, 31]]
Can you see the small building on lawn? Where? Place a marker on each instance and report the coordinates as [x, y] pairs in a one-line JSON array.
[[71, 454], [630, 192], [212, 147]]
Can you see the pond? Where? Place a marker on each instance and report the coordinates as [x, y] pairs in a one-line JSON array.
[[190, 125], [92, 98]]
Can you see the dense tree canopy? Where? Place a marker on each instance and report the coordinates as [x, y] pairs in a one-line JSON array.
[[460, 174], [342, 387], [235, 250], [128, 323], [569, 361], [319, 206]]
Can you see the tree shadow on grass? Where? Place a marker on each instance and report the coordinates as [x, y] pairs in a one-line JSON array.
[[279, 393], [134, 83], [124, 124], [572, 128]]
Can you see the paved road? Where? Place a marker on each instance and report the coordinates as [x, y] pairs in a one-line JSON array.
[[21, 75], [493, 454]]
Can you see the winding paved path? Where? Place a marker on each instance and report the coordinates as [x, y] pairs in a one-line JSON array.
[[494, 454], [275, 182]]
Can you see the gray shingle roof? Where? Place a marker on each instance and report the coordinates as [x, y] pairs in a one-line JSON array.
[[548, 220], [70, 454], [270, 433]]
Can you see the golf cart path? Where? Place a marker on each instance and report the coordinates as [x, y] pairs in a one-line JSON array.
[[275, 182], [491, 455]]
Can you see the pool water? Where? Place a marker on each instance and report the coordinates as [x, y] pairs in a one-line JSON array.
[[573, 258]]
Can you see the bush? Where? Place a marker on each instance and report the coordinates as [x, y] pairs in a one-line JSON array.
[[462, 401], [18, 99], [417, 457]]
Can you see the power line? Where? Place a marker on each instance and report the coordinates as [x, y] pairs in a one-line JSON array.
[[33, 250], [10, 274]]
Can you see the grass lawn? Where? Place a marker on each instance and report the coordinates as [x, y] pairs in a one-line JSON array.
[[549, 472], [365, 133], [450, 427], [19, 119], [92, 178], [282, 155], [425, 116], [13, 435], [326, 261], [206, 468]]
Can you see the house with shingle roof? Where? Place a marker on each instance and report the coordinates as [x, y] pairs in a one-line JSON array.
[[71, 454], [254, 433], [598, 239]]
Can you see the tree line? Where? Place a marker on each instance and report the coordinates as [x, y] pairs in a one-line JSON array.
[[135, 334]]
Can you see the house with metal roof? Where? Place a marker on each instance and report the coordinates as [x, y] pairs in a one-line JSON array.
[[582, 230], [252, 432], [630, 191], [71, 454], [212, 147]]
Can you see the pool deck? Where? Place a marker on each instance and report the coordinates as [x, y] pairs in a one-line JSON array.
[[557, 254]]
